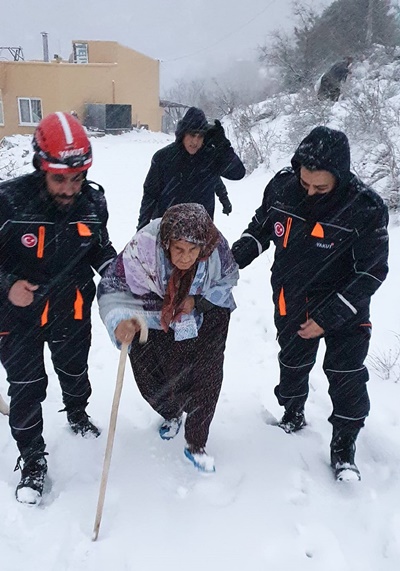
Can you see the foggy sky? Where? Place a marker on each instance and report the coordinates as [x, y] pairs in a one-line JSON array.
[[185, 35]]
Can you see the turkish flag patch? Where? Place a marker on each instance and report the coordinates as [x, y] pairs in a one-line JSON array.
[[279, 229], [29, 240]]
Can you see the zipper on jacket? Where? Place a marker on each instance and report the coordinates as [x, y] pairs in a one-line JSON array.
[[78, 305], [288, 227], [40, 246], [282, 302], [45, 314]]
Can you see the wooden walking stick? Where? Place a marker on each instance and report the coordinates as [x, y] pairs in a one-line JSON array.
[[112, 426], [4, 406]]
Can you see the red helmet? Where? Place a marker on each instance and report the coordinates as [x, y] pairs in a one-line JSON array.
[[61, 144]]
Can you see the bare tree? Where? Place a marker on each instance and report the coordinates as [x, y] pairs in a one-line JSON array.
[[345, 27], [293, 54]]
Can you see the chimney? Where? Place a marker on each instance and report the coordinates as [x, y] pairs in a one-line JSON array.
[[45, 46]]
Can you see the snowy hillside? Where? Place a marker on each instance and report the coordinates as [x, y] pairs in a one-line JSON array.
[[368, 111], [272, 503]]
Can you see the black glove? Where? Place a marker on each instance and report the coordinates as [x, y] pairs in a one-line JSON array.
[[222, 194], [215, 137], [245, 250], [227, 206]]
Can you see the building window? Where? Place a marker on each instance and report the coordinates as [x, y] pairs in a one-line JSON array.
[[30, 110], [81, 54], [1, 109]]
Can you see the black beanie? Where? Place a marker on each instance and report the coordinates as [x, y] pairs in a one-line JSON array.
[[324, 149], [193, 121]]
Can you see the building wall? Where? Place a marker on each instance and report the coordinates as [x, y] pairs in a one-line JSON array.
[[126, 77], [136, 81], [141, 86]]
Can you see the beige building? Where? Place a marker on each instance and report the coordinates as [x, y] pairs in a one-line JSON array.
[[100, 75]]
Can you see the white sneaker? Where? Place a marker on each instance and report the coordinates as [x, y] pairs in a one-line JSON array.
[[201, 460], [170, 428]]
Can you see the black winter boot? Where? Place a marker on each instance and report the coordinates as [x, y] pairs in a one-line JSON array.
[[343, 449], [80, 424], [30, 488], [293, 420]]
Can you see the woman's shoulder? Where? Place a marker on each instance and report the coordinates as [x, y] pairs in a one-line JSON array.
[[144, 242], [222, 255]]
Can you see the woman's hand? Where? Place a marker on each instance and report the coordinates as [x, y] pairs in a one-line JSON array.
[[126, 330], [188, 305]]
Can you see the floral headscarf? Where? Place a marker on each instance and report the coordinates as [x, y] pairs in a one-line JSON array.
[[190, 222]]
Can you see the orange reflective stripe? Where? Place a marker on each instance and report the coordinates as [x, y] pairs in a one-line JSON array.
[[83, 230], [282, 303], [318, 231], [40, 247], [288, 227], [78, 305], [45, 314]]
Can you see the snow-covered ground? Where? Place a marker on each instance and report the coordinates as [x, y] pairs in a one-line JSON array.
[[272, 504]]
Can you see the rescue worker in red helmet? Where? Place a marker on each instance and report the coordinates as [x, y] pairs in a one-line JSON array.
[[53, 234], [61, 145]]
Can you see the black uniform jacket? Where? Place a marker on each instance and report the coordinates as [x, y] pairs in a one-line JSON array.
[[175, 176], [331, 250], [54, 249]]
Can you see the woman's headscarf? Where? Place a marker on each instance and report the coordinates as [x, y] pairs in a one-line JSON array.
[[189, 222]]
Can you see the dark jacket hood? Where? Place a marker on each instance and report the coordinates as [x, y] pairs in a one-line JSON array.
[[325, 149], [194, 120]]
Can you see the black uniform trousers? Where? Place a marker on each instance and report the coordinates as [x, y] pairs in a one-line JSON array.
[[22, 355], [346, 351], [184, 376]]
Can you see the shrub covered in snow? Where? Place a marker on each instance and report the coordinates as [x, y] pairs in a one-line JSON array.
[[368, 111]]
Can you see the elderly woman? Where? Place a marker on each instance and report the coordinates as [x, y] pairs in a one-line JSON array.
[[177, 274]]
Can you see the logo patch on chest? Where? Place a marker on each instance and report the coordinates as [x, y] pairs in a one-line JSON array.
[[279, 229], [325, 246], [29, 240]]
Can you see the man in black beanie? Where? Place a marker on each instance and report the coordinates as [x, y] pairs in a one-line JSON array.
[[190, 169], [330, 234], [333, 79]]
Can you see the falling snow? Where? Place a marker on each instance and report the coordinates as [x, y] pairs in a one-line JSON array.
[[272, 502]]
